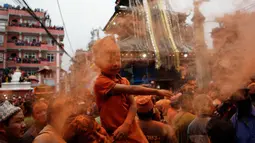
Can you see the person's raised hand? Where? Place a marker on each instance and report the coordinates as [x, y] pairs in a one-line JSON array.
[[165, 93], [121, 132]]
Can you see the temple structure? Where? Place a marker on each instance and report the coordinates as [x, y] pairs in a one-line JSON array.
[[154, 40]]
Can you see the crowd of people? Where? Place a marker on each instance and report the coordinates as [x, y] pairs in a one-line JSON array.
[[132, 113], [9, 6], [26, 43], [6, 76], [32, 25], [26, 60]]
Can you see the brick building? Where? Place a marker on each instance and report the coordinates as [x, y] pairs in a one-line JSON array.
[[25, 44]]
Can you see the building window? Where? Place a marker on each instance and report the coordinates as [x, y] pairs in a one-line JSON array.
[[51, 75], [1, 40], [29, 38], [14, 38], [29, 55], [50, 57], [30, 22], [30, 72], [2, 26], [49, 41], [1, 57]]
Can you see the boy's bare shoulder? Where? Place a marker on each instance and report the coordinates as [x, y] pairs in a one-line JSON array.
[[101, 78], [125, 81]]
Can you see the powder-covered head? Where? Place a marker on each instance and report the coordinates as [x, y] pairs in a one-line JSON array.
[[144, 104], [107, 55]]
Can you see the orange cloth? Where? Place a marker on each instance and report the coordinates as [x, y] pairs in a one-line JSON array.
[[113, 109]]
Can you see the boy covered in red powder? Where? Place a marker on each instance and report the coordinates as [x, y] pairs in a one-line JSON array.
[[114, 94]]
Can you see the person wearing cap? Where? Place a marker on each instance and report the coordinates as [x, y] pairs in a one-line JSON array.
[[12, 125], [114, 94], [155, 132]]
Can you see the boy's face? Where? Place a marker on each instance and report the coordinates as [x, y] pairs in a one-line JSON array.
[[110, 62]]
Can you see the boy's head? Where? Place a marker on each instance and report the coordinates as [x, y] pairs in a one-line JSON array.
[[107, 55]]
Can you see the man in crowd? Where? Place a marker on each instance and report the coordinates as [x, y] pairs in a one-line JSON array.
[[40, 118], [172, 111], [203, 107], [251, 88], [220, 131], [29, 121], [155, 132], [57, 113], [244, 119], [163, 105], [12, 126], [183, 118], [84, 129], [190, 86]]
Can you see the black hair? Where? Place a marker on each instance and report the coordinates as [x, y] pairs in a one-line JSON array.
[[244, 92], [28, 106], [175, 105], [185, 102], [220, 131], [145, 116]]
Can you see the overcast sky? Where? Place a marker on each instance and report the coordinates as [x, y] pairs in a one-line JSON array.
[[81, 16]]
